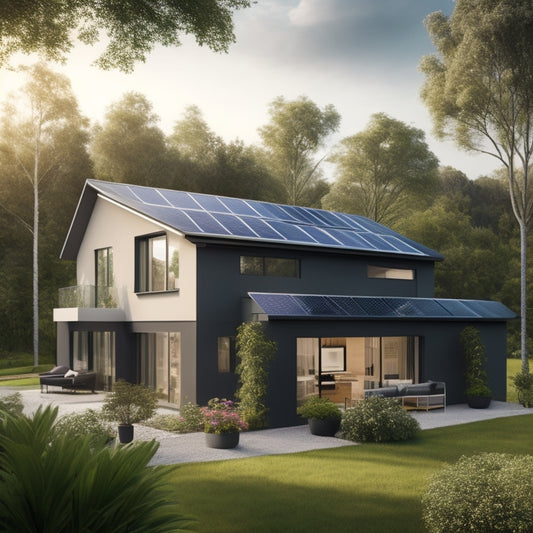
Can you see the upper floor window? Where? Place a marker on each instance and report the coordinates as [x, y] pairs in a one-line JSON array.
[[270, 266], [157, 264], [103, 276], [381, 272]]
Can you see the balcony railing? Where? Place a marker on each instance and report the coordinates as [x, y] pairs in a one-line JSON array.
[[88, 296]]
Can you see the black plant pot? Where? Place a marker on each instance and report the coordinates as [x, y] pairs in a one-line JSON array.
[[324, 428], [478, 402], [125, 433], [222, 441]]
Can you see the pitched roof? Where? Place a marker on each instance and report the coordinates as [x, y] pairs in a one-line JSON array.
[[320, 306], [232, 219]]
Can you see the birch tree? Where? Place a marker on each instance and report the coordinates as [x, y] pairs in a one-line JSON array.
[[479, 90], [31, 122]]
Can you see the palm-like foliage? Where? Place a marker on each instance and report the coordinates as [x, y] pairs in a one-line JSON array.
[[54, 482]]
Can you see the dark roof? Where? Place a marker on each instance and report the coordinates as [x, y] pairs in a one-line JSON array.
[[318, 306], [230, 219]]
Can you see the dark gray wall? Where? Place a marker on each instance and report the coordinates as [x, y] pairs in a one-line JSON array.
[[221, 287]]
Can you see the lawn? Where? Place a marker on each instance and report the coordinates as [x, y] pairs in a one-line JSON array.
[[370, 488]]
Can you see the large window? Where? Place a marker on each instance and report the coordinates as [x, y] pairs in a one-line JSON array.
[[104, 277], [270, 266], [157, 264], [159, 364]]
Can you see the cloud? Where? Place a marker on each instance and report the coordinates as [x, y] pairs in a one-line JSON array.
[[354, 34]]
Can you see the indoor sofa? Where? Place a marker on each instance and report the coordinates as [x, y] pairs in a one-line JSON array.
[[61, 376], [426, 396]]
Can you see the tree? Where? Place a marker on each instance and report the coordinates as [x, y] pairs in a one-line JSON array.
[[381, 170], [31, 129], [297, 129], [479, 90], [132, 27], [130, 147]]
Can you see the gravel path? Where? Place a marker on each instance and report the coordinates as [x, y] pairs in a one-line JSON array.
[[190, 447]]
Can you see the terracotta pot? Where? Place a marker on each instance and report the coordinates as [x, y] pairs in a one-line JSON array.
[[222, 440]]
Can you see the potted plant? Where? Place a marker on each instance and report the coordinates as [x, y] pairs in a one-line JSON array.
[[323, 416], [129, 404], [478, 393], [222, 423]]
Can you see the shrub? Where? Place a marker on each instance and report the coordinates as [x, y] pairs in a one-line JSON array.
[[189, 420], [475, 358], [254, 351], [378, 419], [11, 404], [129, 403], [489, 492], [524, 385], [319, 408], [51, 481], [89, 424]]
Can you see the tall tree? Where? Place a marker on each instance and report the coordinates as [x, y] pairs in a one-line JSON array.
[[132, 27], [381, 170], [129, 146], [32, 122], [296, 131], [479, 90]]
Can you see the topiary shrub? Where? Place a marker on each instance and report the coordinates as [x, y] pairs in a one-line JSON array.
[[523, 383], [90, 424], [489, 492], [320, 409], [378, 419]]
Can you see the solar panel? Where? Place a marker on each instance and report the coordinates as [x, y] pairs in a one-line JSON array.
[[206, 222], [368, 307], [149, 196], [194, 213], [318, 306], [291, 232], [238, 206], [182, 200], [210, 203], [234, 225]]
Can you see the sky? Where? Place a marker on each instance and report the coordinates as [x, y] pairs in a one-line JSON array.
[[362, 56]]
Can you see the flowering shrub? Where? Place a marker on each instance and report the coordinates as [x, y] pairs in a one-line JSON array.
[[485, 492], [378, 419], [222, 416]]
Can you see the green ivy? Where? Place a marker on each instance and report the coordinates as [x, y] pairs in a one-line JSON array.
[[254, 352]]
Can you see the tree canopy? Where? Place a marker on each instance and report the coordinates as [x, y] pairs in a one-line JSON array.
[[131, 27], [479, 90], [297, 129], [381, 170]]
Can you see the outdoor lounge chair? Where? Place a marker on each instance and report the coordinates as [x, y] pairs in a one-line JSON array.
[[61, 376]]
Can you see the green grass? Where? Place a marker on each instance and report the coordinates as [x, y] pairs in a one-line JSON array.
[[25, 370], [371, 488], [23, 382]]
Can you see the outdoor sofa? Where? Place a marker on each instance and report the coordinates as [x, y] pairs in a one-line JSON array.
[[61, 376], [424, 396]]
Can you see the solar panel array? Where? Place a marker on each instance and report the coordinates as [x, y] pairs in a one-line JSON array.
[[198, 214], [277, 305]]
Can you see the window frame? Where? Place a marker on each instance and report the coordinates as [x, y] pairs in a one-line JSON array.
[[395, 273], [265, 266], [143, 264]]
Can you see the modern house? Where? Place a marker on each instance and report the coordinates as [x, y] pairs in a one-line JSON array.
[[164, 278]]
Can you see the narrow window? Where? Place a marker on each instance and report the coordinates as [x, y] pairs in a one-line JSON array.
[[380, 272], [224, 354], [270, 266], [104, 277]]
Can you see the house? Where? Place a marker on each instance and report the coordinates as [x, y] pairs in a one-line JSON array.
[[164, 278]]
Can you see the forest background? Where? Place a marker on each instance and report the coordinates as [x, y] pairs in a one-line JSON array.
[[385, 172]]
